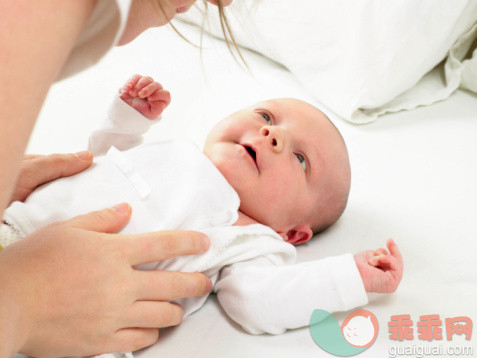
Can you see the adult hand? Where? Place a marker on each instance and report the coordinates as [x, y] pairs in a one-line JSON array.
[[40, 169], [73, 289]]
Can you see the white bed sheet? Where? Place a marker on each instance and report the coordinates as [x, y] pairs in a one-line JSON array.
[[414, 177]]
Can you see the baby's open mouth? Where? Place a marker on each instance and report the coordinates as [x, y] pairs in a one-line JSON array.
[[252, 153]]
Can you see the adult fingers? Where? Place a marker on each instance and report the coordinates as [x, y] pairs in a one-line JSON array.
[[132, 339], [162, 245], [107, 220], [49, 167], [153, 314], [393, 249], [39, 169], [169, 285]]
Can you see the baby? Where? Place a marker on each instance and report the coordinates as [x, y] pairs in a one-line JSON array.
[[269, 177]]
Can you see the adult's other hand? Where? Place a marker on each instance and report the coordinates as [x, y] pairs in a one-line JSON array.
[[40, 169], [70, 288]]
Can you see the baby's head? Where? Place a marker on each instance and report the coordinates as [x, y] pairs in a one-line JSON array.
[[288, 164]]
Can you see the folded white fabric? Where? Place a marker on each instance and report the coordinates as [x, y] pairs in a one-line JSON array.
[[360, 58]]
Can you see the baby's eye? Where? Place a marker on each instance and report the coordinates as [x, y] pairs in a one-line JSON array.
[[266, 117], [302, 160]]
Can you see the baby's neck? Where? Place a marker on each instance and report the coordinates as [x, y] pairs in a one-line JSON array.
[[244, 220]]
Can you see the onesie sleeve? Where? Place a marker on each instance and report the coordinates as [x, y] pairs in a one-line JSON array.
[[265, 298], [123, 128]]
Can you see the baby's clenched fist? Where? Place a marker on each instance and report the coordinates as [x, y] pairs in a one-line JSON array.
[[145, 95], [380, 270]]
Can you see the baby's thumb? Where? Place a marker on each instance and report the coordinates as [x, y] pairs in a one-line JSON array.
[[107, 220]]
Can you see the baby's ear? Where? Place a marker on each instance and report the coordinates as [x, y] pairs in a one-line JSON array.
[[298, 235]]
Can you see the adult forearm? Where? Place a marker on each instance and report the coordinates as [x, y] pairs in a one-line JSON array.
[[9, 344], [40, 37], [11, 153], [12, 332]]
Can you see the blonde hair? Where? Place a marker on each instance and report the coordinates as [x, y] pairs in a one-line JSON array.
[[226, 31], [224, 24]]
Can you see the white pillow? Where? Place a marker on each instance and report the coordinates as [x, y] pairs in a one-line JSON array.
[[358, 57]]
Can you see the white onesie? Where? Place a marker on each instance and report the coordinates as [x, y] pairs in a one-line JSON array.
[[173, 185]]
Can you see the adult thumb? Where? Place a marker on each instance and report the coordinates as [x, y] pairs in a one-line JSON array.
[[107, 220]]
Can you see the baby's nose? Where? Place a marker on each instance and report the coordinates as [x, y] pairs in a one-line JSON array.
[[273, 136]]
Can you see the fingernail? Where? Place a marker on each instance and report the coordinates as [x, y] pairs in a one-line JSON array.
[[372, 261], [205, 243], [141, 93], [84, 155], [121, 209]]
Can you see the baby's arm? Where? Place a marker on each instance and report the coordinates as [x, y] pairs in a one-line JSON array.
[[138, 106], [380, 270], [265, 298]]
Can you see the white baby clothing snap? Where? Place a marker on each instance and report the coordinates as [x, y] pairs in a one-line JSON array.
[[172, 185]]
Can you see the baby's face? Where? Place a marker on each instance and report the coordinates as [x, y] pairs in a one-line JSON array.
[[277, 155]]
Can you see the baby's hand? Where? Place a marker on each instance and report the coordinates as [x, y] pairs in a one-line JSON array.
[[381, 271], [145, 96]]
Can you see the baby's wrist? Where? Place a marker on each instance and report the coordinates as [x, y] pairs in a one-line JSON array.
[[367, 286]]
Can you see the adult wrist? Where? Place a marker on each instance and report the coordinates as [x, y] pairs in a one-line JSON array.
[[12, 316]]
